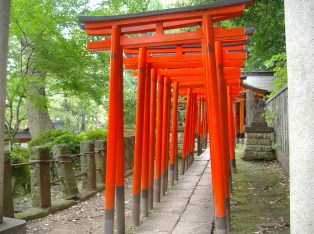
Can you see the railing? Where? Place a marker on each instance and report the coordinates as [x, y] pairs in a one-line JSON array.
[[92, 174], [277, 109]]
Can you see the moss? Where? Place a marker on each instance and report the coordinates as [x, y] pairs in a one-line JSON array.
[[260, 197]]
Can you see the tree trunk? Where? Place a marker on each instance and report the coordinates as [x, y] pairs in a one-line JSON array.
[[4, 35], [36, 100], [37, 115]]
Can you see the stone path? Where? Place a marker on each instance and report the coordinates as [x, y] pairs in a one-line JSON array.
[[187, 207]]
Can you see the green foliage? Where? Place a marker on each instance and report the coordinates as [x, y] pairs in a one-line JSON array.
[[269, 115], [267, 17], [54, 137], [92, 135], [129, 91], [278, 63], [21, 174]]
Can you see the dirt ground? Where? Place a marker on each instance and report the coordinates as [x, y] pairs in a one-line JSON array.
[[260, 200], [85, 217]]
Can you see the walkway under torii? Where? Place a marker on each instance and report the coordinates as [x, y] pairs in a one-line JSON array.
[[203, 65]]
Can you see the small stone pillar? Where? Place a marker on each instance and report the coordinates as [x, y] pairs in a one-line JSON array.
[[40, 177], [8, 208], [100, 158], [258, 137], [248, 105], [65, 170], [88, 166]]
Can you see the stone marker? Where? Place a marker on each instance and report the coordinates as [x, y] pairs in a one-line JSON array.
[[65, 170], [88, 165], [100, 160], [40, 177]]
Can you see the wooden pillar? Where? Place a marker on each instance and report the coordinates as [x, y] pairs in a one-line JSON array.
[[120, 159], [145, 150], [138, 138], [157, 181], [214, 125], [242, 119], [174, 132], [192, 131], [224, 129], [186, 132], [198, 128], [164, 136], [114, 120], [152, 137], [168, 136], [230, 131]]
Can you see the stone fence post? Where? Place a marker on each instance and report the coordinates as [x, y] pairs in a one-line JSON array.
[[8, 208], [65, 170], [40, 177], [88, 166], [100, 159]]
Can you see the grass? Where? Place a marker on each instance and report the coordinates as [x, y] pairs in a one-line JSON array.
[[260, 198]]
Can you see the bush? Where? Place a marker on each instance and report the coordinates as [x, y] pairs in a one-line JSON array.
[[20, 175], [55, 137], [92, 135], [51, 138]]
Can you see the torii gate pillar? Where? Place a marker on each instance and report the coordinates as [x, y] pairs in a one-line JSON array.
[[299, 18]]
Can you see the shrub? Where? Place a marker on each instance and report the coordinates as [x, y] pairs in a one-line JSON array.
[[92, 135], [20, 175], [53, 137]]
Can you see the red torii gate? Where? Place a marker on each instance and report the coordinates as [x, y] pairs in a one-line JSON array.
[[192, 75], [231, 74], [118, 27]]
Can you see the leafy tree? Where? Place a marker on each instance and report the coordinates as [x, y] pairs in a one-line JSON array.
[[51, 57], [278, 63], [267, 17]]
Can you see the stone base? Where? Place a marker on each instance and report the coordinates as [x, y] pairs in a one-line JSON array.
[[258, 143], [258, 129], [255, 155], [13, 226]]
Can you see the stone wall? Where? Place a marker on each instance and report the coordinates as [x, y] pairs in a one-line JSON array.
[[277, 107]]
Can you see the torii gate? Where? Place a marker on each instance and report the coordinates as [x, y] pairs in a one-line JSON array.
[[118, 27], [191, 76]]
